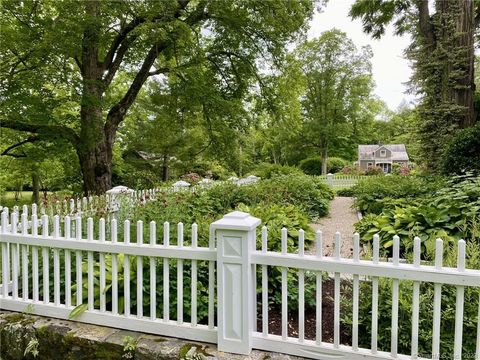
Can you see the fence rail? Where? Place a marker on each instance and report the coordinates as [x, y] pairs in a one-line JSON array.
[[176, 287]]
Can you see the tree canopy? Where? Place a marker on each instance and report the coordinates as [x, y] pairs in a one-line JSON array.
[[72, 70]]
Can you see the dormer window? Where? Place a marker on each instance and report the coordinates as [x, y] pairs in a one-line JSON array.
[[383, 153]]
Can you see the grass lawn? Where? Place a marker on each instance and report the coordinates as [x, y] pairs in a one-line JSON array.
[[25, 197], [8, 198]]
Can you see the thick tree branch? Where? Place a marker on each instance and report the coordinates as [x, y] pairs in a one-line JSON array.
[[115, 65], [53, 131], [6, 152], [119, 40], [118, 111]]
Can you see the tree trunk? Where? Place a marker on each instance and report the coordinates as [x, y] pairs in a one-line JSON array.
[[324, 158], [464, 94], [35, 187], [165, 174]]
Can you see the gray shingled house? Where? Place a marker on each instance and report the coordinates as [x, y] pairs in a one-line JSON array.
[[383, 156]]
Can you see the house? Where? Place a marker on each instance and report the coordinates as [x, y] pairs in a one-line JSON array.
[[383, 156]]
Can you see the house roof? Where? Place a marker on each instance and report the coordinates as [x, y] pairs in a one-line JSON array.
[[367, 152]]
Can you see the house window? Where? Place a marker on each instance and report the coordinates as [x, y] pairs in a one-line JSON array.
[[383, 153], [369, 164]]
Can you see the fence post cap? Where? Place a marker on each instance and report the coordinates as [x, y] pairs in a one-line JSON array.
[[237, 220]]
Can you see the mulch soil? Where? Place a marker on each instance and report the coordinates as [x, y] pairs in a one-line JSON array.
[[275, 319]]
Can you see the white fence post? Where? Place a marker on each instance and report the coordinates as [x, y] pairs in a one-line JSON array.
[[330, 180], [235, 234]]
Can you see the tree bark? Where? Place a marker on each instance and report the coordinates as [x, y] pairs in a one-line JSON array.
[[464, 94], [463, 12], [165, 174], [324, 159], [35, 187]]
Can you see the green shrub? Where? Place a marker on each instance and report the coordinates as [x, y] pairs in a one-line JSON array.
[[463, 152], [313, 165], [345, 192], [370, 193], [306, 192], [268, 171], [336, 164]]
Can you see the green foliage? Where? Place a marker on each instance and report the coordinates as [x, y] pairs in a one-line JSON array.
[[313, 165], [450, 213], [426, 309], [349, 192], [275, 217], [463, 152], [267, 171], [442, 54], [335, 164], [73, 75], [337, 86], [371, 194]]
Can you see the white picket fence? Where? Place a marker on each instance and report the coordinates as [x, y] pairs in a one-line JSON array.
[[111, 203], [337, 181], [229, 266]]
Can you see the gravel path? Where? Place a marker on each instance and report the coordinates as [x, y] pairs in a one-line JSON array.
[[341, 218]]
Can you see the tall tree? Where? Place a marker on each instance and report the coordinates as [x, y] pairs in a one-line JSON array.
[[71, 52], [442, 53], [338, 82]]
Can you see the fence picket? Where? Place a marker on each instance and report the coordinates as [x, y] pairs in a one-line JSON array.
[[415, 299], [5, 264], [114, 239], [211, 281], [126, 270], [101, 238], [284, 289], [457, 351], [139, 271], [35, 290], [336, 305], [437, 302], [395, 286], [180, 276], [68, 265], [45, 263], [56, 262], [264, 284], [166, 274], [90, 275], [153, 274], [301, 289], [194, 277], [78, 260], [319, 285], [356, 258], [15, 257], [375, 259], [25, 255]]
